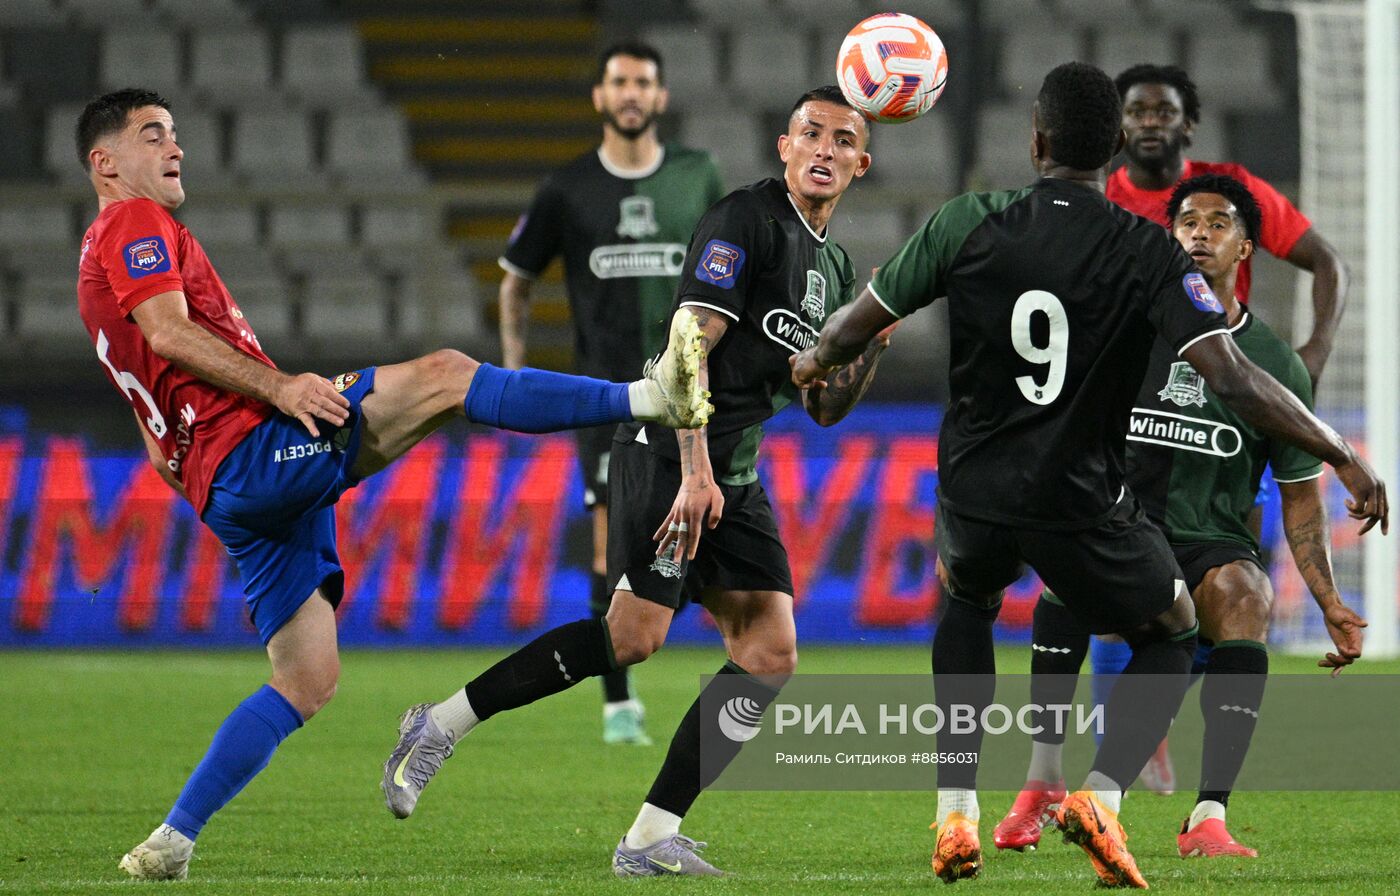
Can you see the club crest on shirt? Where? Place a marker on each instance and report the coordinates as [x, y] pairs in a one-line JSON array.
[[636, 217], [1198, 290], [345, 381], [146, 256], [814, 302], [1184, 386], [720, 263]]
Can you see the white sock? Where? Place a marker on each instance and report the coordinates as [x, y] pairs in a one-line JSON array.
[[1206, 809], [617, 706], [957, 799], [1106, 789], [652, 825], [645, 404], [454, 716], [1045, 763]]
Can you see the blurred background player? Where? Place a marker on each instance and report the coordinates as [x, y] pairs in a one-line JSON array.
[[1031, 451], [621, 216], [264, 455], [1201, 502], [760, 276], [1161, 111]]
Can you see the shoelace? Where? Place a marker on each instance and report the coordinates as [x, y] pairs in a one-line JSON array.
[[428, 759]]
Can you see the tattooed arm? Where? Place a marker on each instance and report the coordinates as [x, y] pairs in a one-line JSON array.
[[829, 402], [699, 501], [1309, 539]]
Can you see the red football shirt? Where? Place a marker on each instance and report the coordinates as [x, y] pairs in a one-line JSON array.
[[136, 250], [1282, 223]]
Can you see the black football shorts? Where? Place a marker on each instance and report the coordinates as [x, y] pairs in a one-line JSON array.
[[742, 553], [594, 447], [1114, 576]]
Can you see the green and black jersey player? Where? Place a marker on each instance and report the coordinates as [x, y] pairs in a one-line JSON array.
[[1195, 464], [1055, 296], [759, 276], [621, 217]]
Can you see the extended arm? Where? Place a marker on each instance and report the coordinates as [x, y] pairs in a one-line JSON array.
[[1305, 525], [699, 501], [1262, 402], [829, 404], [1329, 290], [845, 336], [164, 321], [515, 318]]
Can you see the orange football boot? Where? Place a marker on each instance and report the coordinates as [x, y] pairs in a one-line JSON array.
[[1094, 828], [958, 853]]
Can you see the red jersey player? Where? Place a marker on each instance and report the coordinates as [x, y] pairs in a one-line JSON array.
[[264, 455], [1160, 113]]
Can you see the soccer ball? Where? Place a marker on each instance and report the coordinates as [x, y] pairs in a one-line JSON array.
[[892, 67]]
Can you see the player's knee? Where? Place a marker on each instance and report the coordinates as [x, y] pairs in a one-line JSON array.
[[450, 370], [309, 689], [635, 645], [773, 659]]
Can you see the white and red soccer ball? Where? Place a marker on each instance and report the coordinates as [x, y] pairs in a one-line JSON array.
[[892, 67]]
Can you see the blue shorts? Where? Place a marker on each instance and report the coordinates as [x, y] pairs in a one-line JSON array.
[[272, 505]]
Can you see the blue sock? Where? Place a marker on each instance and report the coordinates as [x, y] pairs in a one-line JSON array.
[[242, 747], [1108, 659], [530, 400]]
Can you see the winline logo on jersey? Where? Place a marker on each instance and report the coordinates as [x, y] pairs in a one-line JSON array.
[[869, 732], [637, 260]]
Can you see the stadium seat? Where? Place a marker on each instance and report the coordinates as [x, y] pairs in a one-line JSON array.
[[439, 310], [201, 135], [273, 147], [1124, 44], [736, 139], [60, 148], [734, 14], [918, 158], [772, 68], [354, 309], [1027, 54], [30, 13], [46, 311], [52, 65], [266, 303], [38, 225], [202, 13], [324, 64], [1233, 69], [221, 223], [1003, 157], [315, 239], [233, 66], [692, 64], [19, 146], [406, 239], [370, 147], [145, 56], [1022, 15], [107, 13]]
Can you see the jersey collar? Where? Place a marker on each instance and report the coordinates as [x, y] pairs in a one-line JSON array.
[[819, 237], [631, 174]]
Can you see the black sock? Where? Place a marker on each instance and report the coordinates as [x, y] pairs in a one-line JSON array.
[[1059, 642], [1143, 704], [1231, 695], [555, 661], [616, 684], [686, 770], [964, 674]]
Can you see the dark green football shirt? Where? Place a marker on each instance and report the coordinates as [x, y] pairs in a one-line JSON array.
[[755, 260], [1055, 296], [1192, 462], [623, 238]]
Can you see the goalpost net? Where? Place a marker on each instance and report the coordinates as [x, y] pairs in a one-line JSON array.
[[1349, 104]]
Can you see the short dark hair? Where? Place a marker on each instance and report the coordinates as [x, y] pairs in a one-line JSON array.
[[1170, 75], [1225, 185], [108, 113], [634, 48], [1081, 114], [828, 93]]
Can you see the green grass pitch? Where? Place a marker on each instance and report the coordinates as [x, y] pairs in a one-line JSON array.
[[96, 746]]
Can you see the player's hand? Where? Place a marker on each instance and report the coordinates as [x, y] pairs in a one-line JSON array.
[[806, 372], [1344, 628], [1368, 501], [309, 398], [698, 504]]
